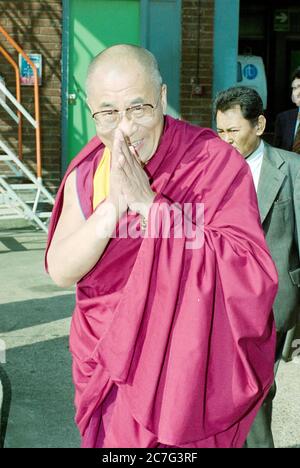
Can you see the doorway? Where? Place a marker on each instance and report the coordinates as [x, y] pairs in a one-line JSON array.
[[271, 29], [89, 27]]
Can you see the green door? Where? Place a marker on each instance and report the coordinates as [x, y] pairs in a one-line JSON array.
[[92, 26]]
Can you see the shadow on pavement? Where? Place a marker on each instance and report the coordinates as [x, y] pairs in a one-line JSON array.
[[38, 410], [18, 315]]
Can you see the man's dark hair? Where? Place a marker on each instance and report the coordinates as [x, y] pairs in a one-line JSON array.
[[248, 99], [296, 74]]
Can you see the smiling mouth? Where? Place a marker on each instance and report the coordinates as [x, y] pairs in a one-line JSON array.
[[133, 144], [137, 144]]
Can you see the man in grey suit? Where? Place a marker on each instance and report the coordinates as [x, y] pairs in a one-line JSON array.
[[276, 174]]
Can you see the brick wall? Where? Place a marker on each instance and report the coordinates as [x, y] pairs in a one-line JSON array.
[[197, 61], [36, 27]]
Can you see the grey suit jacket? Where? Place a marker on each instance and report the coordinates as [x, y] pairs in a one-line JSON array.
[[279, 204]]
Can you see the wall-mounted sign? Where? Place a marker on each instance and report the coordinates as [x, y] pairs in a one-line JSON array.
[[250, 71], [26, 72], [281, 20]]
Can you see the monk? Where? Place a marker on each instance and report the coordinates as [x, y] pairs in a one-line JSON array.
[[157, 223]]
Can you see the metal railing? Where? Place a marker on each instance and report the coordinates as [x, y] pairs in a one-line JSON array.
[[18, 96], [17, 101]]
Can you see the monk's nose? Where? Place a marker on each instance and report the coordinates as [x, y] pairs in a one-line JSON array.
[[127, 125], [228, 138]]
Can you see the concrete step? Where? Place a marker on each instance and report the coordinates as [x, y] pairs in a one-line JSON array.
[[17, 224]]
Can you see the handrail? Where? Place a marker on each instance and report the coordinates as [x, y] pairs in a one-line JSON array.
[[36, 99], [18, 95], [19, 106], [6, 107]]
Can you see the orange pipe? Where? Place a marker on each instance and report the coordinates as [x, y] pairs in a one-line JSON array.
[[18, 96], [36, 99]]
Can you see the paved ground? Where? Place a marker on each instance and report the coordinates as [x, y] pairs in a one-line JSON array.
[[36, 375], [34, 324], [286, 415]]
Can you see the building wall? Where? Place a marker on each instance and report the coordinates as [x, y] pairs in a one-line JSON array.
[[36, 27], [197, 61]]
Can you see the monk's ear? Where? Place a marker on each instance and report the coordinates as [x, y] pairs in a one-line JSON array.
[[164, 98], [261, 125]]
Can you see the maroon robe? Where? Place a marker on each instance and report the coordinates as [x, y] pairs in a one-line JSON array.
[[173, 345]]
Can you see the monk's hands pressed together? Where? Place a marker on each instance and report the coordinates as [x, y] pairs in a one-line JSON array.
[[129, 181]]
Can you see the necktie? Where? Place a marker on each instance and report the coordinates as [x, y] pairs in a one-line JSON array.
[[296, 145]]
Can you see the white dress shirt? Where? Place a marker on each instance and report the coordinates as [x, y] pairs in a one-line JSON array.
[[255, 161]]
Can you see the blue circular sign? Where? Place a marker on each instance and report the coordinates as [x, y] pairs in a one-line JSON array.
[[250, 72]]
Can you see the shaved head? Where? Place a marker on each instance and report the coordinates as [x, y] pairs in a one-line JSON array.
[[123, 57], [121, 78]]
